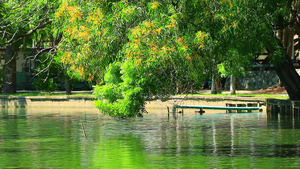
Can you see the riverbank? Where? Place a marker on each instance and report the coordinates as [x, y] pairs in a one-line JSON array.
[[75, 101], [84, 99]]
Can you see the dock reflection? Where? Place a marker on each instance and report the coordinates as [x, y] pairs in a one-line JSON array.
[[249, 135]]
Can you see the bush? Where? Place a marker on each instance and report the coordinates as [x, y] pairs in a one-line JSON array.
[[119, 96], [47, 85]]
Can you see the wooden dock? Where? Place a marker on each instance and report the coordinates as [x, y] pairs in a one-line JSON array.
[[276, 106], [201, 108]]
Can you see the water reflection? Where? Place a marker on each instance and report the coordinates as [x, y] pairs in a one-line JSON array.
[[55, 140], [6, 113], [284, 121]]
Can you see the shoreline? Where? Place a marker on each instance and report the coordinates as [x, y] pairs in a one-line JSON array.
[[87, 100], [80, 101]]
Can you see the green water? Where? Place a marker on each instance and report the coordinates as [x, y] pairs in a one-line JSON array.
[[56, 140]]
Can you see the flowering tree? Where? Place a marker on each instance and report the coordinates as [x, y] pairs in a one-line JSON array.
[[135, 50]]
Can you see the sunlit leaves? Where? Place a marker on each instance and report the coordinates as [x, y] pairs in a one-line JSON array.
[[156, 57], [154, 5], [201, 38], [96, 32], [148, 42]]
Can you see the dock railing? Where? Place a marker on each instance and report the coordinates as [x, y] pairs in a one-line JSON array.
[[201, 108]]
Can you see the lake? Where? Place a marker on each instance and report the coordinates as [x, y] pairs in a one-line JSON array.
[[55, 139]]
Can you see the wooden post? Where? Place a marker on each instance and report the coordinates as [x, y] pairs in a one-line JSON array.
[[168, 112], [201, 111], [174, 111], [83, 130]]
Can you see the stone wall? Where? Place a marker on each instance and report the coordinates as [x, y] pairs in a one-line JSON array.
[[71, 101], [255, 80]]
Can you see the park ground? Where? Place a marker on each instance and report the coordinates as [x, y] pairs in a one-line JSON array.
[[83, 99], [278, 90]]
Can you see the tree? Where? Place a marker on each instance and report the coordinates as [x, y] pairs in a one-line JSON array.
[[21, 22], [286, 28], [141, 43], [250, 27], [137, 50]]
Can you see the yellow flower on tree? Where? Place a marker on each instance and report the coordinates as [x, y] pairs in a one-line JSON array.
[[180, 39], [234, 24], [158, 30], [200, 38], [66, 57], [189, 58], [184, 47], [149, 24], [136, 31], [74, 13], [84, 35], [154, 5], [104, 31]]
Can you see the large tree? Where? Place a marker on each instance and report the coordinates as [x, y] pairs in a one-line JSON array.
[[139, 49], [139, 46], [21, 23], [287, 30]]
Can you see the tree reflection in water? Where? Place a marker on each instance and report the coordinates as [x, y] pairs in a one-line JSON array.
[[55, 140]]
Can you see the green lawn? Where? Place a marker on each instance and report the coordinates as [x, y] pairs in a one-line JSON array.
[[46, 94], [273, 96]]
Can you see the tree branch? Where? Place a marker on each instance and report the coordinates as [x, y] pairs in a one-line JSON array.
[[30, 32]]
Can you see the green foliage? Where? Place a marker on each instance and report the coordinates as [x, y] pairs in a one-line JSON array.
[[46, 71], [234, 64], [52, 74], [94, 33], [20, 19], [84, 94], [26, 26], [45, 85], [153, 48], [120, 96]]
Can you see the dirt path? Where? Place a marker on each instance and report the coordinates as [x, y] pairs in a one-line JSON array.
[[278, 90]]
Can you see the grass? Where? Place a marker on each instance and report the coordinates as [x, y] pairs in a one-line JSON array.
[[273, 96], [46, 94]]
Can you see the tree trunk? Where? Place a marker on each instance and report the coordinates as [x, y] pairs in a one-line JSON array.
[[232, 84], [68, 86], [9, 79], [213, 84], [285, 70], [289, 78]]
